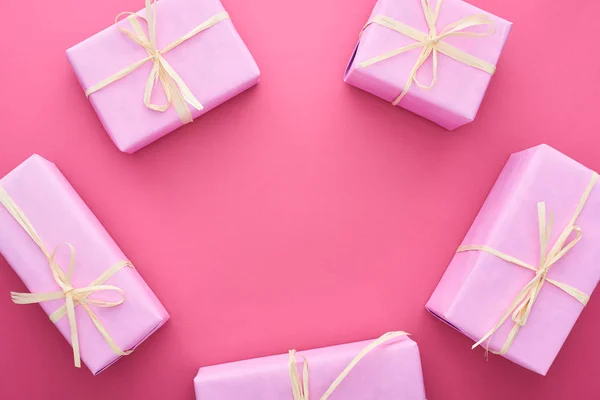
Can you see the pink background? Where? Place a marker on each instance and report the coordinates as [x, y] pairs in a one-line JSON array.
[[302, 213]]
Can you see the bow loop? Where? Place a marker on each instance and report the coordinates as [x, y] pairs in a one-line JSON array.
[[562, 247], [522, 311], [427, 51], [158, 74], [62, 280], [81, 295], [459, 28], [138, 35]]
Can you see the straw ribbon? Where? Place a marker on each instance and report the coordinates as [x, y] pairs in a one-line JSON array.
[[521, 307], [72, 296], [300, 384], [433, 42], [177, 93]]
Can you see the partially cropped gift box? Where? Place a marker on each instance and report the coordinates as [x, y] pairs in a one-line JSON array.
[[434, 58], [388, 368], [529, 263], [72, 267], [188, 48]]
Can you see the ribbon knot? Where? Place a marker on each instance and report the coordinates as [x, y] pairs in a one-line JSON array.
[[72, 296], [177, 93], [433, 40], [432, 43], [522, 305]]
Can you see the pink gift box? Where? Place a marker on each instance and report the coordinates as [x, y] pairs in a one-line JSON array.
[[478, 288], [215, 64], [460, 88], [391, 371], [59, 215]]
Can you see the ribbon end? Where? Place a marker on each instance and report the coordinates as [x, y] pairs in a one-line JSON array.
[[585, 300], [14, 297], [20, 298], [480, 342]]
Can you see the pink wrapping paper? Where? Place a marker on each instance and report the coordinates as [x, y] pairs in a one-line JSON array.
[[478, 288], [455, 99], [58, 214], [215, 64], [390, 372]]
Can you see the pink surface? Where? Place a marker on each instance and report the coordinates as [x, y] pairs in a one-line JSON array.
[[391, 371], [477, 289], [455, 99], [304, 212], [215, 65], [58, 215]]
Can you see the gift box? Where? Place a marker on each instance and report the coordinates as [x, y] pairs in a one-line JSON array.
[[435, 62], [197, 57], [72, 267], [385, 369], [529, 262]]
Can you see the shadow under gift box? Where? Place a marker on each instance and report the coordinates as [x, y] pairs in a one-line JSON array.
[[59, 215], [478, 288], [457, 95], [215, 64], [391, 371]]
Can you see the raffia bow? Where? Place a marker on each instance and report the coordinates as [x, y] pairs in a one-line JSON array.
[[432, 43], [521, 307], [177, 93], [72, 296], [300, 384]]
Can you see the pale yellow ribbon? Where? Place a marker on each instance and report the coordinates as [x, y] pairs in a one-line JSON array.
[[432, 43], [73, 296], [176, 91], [523, 303], [300, 385]]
